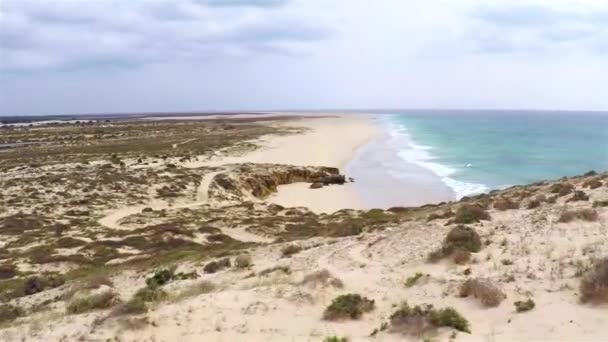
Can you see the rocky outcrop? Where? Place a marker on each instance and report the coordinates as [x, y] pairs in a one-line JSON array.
[[260, 180]]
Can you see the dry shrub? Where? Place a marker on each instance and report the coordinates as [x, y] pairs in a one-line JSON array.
[[600, 204], [592, 183], [594, 285], [243, 261], [348, 306], [536, 202], [561, 189], [290, 250], [461, 256], [215, 266], [444, 215], [578, 196], [418, 320], [470, 214], [9, 313], [98, 301], [484, 290], [589, 215], [523, 306], [505, 203], [322, 278], [7, 271]]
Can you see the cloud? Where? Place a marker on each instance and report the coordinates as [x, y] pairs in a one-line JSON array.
[[538, 29], [63, 34]]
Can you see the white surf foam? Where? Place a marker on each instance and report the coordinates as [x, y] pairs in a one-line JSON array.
[[421, 155]]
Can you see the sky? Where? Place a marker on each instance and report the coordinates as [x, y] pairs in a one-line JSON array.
[[109, 56]]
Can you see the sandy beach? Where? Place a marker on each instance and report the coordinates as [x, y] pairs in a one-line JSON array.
[[324, 141]]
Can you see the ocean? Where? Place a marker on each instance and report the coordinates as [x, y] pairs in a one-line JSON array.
[[472, 152]]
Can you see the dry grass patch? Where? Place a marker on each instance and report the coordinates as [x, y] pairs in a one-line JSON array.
[[243, 261], [561, 189], [578, 196], [484, 290], [459, 243], [321, 278], [523, 306], [290, 250], [589, 215], [348, 306], [9, 313]]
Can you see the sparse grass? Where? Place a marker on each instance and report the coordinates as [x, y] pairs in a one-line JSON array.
[[348, 306], [600, 204], [418, 320], [290, 250], [199, 288], [484, 290], [589, 215], [470, 214], [594, 285], [98, 301], [592, 183], [523, 306]]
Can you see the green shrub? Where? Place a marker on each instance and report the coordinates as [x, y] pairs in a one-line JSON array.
[[335, 339], [98, 301], [459, 243], [523, 306], [420, 319], [348, 306], [470, 214], [150, 294], [161, 277]]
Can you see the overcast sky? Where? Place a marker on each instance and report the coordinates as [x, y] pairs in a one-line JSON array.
[[97, 56]]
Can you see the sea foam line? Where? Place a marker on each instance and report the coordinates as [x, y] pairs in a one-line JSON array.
[[420, 155]]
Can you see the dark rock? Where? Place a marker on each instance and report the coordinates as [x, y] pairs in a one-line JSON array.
[[316, 185]]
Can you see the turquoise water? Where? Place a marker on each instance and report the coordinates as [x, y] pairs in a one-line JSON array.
[[476, 151]]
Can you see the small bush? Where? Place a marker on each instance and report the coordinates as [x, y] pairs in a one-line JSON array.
[[215, 266], [470, 214], [458, 243], [505, 203], [484, 290], [161, 277], [243, 261], [349, 306], [523, 306], [594, 285], [335, 339], [420, 319], [134, 306], [7, 271], [321, 278], [561, 189], [578, 196], [533, 204], [411, 281], [9, 313], [444, 215], [150, 294], [588, 215], [40, 283], [290, 250], [600, 204], [99, 301]]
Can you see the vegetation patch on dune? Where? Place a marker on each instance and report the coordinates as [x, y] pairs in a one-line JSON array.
[[348, 306], [421, 319]]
